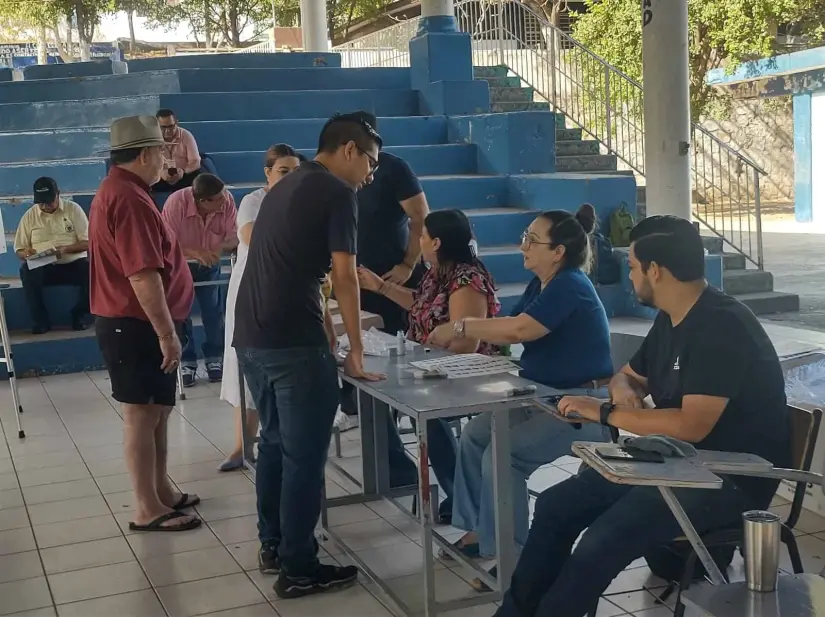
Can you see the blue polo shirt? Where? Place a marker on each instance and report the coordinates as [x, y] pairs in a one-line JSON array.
[[577, 348]]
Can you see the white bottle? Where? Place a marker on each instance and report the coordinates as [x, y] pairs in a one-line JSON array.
[[401, 343]]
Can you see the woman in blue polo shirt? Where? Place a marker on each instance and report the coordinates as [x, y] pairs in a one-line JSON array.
[[563, 326]]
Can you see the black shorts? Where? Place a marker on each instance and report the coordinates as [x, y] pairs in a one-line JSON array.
[[131, 351]]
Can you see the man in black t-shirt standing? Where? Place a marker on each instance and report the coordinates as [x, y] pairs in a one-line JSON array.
[[285, 341], [391, 213], [716, 382]]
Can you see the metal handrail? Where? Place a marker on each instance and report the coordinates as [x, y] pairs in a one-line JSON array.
[[602, 100]]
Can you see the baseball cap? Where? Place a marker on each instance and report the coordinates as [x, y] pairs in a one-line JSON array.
[[45, 190]]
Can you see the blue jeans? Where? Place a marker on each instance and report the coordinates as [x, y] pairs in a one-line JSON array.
[[623, 523], [536, 439], [211, 301], [296, 394]]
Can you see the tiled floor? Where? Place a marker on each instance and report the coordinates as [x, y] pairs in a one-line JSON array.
[[65, 502]]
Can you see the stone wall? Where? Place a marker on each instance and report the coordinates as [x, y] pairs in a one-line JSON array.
[[763, 131]]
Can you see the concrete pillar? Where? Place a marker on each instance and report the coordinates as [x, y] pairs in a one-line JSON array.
[[314, 25], [667, 107], [437, 16]]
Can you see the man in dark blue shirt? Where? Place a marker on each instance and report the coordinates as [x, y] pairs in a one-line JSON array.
[[716, 382]]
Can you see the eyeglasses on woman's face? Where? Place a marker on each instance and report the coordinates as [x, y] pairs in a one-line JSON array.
[[528, 239]]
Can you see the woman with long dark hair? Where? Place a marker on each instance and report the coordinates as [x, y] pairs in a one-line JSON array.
[[456, 286], [279, 160]]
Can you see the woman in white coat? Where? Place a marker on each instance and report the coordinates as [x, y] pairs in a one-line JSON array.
[[280, 160]]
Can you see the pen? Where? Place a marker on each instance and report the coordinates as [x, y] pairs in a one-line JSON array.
[[522, 391]]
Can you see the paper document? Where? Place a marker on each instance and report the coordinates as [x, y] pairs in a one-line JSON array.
[[43, 258], [459, 366]]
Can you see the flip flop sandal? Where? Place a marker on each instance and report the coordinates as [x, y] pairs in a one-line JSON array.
[[480, 586], [184, 502], [158, 523]]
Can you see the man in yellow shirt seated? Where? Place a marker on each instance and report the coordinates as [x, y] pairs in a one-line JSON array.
[[58, 230]]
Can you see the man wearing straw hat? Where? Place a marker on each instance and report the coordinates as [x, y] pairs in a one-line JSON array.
[[141, 292]]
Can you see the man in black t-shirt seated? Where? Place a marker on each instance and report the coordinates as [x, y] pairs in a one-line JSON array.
[[285, 341], [716, 382]]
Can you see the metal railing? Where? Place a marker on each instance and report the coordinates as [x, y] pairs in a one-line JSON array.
[[604, 102]]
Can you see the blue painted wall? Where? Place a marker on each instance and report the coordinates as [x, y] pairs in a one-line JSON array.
[[96, 87], [256, 80], [6, 74], [512, 143], [248, 61], [74, 69], [803, 173], [73, 113], [786, 63]]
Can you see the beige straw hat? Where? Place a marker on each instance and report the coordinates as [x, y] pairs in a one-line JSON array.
[[135, 132]]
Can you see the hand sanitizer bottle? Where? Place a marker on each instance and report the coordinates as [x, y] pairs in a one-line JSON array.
[[401, 343]]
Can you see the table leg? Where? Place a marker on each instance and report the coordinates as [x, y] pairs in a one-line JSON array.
[[692, 535], [503, 496], [380, 459], [425, 516], [368, 421]]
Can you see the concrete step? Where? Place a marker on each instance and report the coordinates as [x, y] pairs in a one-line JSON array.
[[713, 244], [581, 147], [503, 107], [563, 134], [433, 160], [747, 281], [588, 162], [498, 81], [511, 95], [294, 80], [499, 70], [238, 61], [500, 226], [733, 261], [765, 303]]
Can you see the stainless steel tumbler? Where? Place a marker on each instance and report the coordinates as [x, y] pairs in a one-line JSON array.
[[762, 541]]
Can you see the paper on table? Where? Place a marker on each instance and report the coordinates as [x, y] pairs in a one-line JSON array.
[[44, 258]]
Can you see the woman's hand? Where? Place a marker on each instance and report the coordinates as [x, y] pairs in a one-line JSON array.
[[369, 280], [442, 336]]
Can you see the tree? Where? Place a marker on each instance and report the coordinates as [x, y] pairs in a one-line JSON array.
[[230, 22], [722, 33]]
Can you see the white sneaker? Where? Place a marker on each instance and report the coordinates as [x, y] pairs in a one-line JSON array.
[[343, 422]]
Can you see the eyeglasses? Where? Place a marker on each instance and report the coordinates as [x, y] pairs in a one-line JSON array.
[[168, 127], [373, 161], [527, 241]]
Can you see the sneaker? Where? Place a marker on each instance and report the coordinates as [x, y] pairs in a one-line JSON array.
[[344, 422], [215, 371], [268, 560], [326, 578], [187, 376]]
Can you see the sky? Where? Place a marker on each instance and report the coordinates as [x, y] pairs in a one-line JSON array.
[[117, 26]]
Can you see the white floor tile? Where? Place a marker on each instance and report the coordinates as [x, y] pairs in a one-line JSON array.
[[135, 604], [97, 582], [24, 595], [72, 532], [190, 566], [17, 541], [73, 509], [147, 545], [214, 594], [48, 493], [20, 566], [86, 555]]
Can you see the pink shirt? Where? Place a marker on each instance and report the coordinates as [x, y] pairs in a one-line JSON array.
[[183, 154], [193, 230]]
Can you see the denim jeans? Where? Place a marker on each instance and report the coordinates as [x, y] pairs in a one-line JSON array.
[[296, 394], [623, 523], [211, 300], [441, 446], [536, 439]]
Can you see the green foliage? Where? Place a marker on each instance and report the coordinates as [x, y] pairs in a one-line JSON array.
[[722, 33]]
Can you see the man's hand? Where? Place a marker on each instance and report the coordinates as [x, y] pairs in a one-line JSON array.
[[26, 253], [354, 367], [399, 274], [203, 257], [626, 397], [171, 350], [442, 335], [58, 253], [585, 406]]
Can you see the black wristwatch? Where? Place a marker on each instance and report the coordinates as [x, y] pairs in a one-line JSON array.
[[605, 410]]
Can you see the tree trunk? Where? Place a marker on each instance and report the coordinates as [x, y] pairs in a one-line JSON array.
[[234, 29], [84, 31], [70, 38], [132, 42], [42, 45]]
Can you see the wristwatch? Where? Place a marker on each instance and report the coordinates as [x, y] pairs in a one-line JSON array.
[[458, 328], [605, 410]]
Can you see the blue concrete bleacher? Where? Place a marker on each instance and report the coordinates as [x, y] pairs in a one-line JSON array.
[[498, 168]]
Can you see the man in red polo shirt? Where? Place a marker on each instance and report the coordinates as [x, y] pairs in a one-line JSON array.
[[141, 292]]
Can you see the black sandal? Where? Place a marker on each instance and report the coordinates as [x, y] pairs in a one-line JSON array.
[[184, 502], [158, 523]]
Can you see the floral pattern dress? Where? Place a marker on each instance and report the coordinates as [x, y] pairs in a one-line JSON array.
[[431, 301]]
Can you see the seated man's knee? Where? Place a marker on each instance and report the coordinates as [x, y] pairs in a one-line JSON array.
[[477, 431]]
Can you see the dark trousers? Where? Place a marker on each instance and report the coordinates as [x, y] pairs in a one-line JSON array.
[[75, 274], [211, 300], [296, 394], [623, 523]]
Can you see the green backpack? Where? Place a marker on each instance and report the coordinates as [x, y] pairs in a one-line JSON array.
[[621, 224]]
